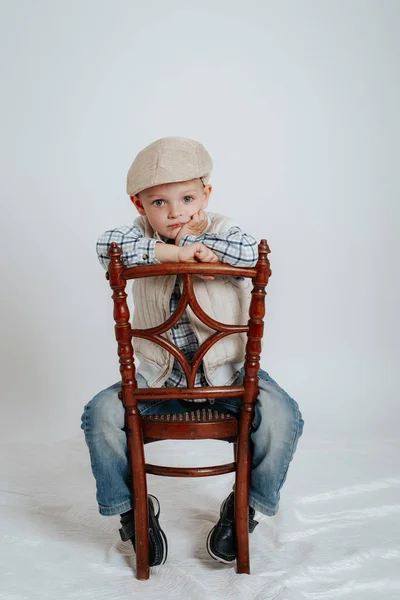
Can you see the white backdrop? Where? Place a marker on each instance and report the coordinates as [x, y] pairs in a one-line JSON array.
[[298, 103]]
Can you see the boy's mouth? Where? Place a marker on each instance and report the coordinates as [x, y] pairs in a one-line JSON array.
[[176, 225]]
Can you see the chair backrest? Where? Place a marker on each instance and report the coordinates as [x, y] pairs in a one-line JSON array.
[[118, 275]]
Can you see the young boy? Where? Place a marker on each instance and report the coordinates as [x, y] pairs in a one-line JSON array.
[[168, 185]]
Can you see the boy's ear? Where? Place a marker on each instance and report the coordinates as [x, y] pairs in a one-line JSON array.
[[138, 204], [207, 191]]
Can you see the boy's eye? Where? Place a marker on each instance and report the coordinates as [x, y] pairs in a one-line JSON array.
[[188, 198], [157, 201]]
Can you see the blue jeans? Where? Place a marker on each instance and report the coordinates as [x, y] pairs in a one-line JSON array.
[[276, 427]]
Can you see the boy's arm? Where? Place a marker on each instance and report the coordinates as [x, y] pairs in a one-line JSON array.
[[140, 250], [232, 247], [136, 249]]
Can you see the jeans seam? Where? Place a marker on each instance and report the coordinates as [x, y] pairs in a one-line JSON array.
[[151, 405], [85, 419], [269, 510], [291, 453]]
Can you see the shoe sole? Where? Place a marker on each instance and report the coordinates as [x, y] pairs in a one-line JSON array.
[[155, 525]]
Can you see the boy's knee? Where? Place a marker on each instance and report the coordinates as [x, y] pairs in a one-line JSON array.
[[276, 408], [104, 410]]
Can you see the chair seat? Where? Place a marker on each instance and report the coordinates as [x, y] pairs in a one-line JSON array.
[[201, 415], [201, 423]]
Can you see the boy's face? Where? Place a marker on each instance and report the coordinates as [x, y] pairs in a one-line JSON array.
[[171, 205]]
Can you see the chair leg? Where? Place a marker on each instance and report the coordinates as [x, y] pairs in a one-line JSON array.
[[242, 487], [137, 461]]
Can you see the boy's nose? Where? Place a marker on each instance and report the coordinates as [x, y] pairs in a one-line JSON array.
[[174, 212]]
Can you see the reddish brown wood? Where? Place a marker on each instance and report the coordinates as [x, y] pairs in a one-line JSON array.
[[133, 424], [197, 414], [221, 330], [164, 430], [250, 382], [190, 471], [188, 393], [188, 268], [230, 440], [146, 430]]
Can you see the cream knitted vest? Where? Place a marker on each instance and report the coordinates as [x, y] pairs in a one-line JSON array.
[[225, 299]]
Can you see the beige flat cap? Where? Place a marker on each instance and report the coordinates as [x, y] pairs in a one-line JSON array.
[[168, 160]]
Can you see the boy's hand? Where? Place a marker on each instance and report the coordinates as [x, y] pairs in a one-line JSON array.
[[197, 224], [197, 252]]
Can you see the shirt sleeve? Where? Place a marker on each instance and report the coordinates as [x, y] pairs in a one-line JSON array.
[[136, 249], [232, 247]]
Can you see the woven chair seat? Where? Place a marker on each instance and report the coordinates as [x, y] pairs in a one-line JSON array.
[[202, 415]]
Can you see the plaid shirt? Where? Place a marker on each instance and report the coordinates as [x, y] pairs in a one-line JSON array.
[[232, 247]]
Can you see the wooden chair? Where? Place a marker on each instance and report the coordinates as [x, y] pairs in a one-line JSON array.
[[206, 424]]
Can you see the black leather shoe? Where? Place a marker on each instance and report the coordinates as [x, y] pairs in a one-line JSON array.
[[158, 546], [221, 543]]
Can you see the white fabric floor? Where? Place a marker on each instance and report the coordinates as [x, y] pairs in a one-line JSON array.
[[336, 535]]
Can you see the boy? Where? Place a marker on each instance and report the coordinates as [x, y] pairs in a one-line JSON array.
[[168, 185]]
